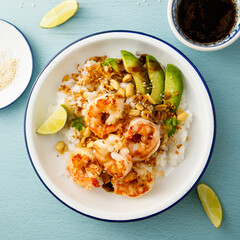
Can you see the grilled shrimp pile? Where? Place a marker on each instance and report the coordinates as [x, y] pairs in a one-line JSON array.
[[118, 160]]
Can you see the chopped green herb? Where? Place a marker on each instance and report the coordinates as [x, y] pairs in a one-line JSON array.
[[168, 122], [172, 123], [113, 63], [108, 61], [78, 123]]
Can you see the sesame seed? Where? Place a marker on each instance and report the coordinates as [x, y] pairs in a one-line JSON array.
[[8, 69], [20, 4]]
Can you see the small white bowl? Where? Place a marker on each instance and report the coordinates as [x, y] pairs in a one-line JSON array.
[[173, 22], [15, 45], [97, 203]]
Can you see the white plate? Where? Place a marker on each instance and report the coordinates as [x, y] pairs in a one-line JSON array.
[[98, 203], [14, 44]]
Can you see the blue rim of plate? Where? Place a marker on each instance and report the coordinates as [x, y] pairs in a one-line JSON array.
[[31, 58], [209, 95]]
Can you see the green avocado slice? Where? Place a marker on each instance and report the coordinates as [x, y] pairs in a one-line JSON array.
[[156, 76], [135, 68], [174, 85]]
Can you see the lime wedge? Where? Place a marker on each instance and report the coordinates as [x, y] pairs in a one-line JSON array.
[[211, 204], [59, 14], [65, 107], [55, 122]]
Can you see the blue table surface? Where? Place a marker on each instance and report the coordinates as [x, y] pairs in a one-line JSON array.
[[29, 211]]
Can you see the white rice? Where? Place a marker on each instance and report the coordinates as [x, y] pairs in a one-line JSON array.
[[172, 155]]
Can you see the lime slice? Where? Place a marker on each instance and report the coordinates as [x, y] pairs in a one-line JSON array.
[[59, 14], [55, 122], [211, 204]]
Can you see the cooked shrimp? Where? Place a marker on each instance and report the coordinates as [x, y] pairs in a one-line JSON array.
[[143, 138], [138, 182], [103, 113], [114, 156], [84, 168]]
